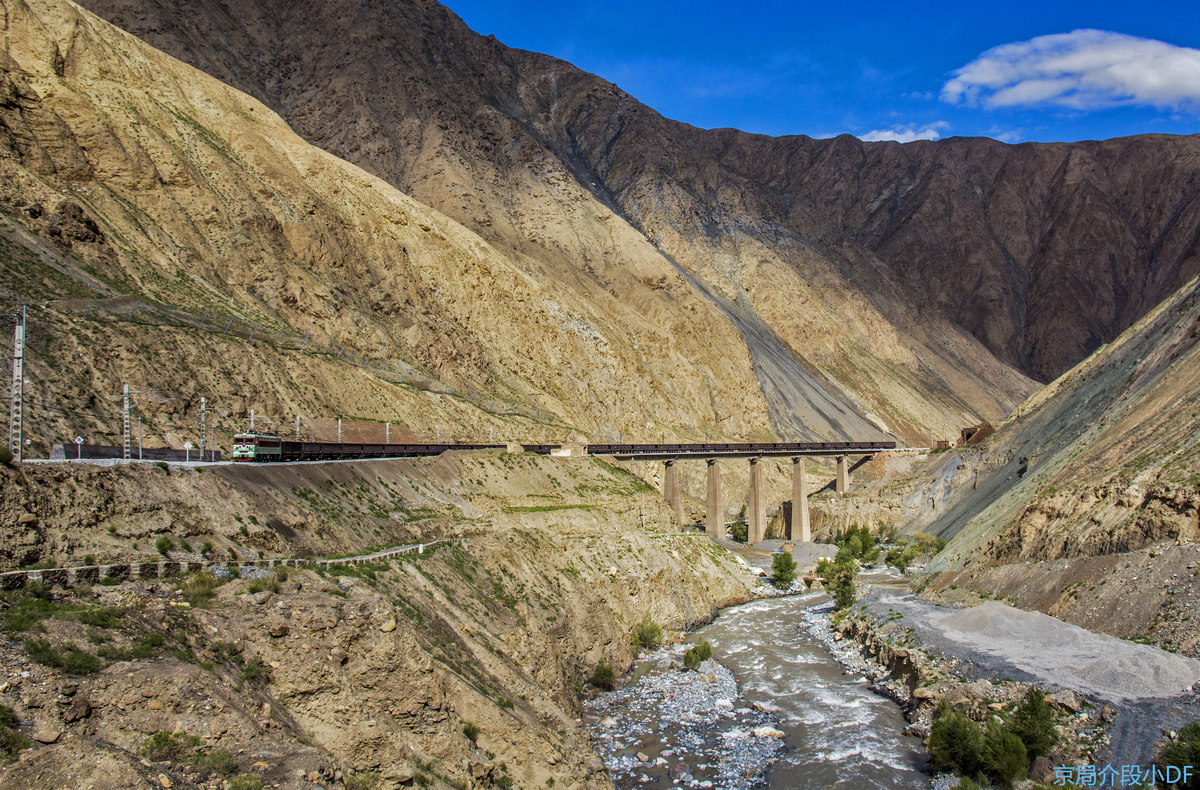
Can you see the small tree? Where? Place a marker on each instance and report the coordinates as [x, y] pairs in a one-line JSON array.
[[603, 676], [839, 580], [955, 742], [164, 544], [783, 570], [1033, 723], [1181, 752], [1004, 756], [647, 635]]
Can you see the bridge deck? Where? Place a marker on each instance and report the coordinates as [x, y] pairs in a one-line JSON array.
[[668, 452]]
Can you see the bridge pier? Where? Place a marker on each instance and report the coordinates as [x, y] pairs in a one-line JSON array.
[[843, 474], [756, 529], [671, 490], [715, 515], [801, 526]]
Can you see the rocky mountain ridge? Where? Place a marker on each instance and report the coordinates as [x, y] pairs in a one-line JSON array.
[[473, 130], [1041, 251]]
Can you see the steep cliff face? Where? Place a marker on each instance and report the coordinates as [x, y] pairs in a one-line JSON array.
[[537, 156]]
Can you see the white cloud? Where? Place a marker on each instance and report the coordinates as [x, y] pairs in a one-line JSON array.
[[1084, 69], [1005, 135], [906, 133]]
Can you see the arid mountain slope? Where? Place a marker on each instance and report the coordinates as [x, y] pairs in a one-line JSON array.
[[143, 174], [513, 145], [374, 669], [1043, 252], [1105, 459]]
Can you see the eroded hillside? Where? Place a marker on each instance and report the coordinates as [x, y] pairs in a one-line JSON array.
[[496, 139], [147, 177], [371, 670]]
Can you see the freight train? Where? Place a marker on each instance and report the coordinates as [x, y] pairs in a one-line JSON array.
[[266, 447], [262, 447]]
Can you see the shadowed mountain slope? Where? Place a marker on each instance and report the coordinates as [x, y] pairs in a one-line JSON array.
[[1105, 459]]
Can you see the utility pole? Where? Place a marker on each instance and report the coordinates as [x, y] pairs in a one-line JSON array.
[[339, 430], [126, 433], [17, 410], [125, 437], [203, 414], [297, 427], [387, 433]]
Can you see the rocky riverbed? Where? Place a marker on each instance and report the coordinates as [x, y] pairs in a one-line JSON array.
[[678, 727], [778, 710]]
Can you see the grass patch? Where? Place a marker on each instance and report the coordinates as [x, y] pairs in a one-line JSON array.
[[544, 508], [69, 658]]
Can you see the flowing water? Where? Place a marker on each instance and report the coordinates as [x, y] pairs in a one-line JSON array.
[[836, 731]]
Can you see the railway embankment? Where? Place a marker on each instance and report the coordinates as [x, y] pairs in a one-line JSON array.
[[460, 666]]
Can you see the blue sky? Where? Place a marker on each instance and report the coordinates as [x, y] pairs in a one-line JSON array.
[[1019, 71]]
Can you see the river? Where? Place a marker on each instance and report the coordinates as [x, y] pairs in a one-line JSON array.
[[770, 670]]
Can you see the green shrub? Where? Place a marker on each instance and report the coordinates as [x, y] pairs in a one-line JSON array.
[[1184, 750], [164, 544], [27, 609], [263, 583], [101, 616], [256, 671], [839, 580], [955, 742], [966, 783], [164, 747], [603, 676], [647, 635], [68, 658], [738, 530], [245, 782], [11, 742], [163, 465], [6, 455], [1004, 757], [147, 645], [701, 651], [1033, 723], [901, 557], [199, 588], [471, 731], [854, 546], [217, 762], [206, 548], [783, 569]]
